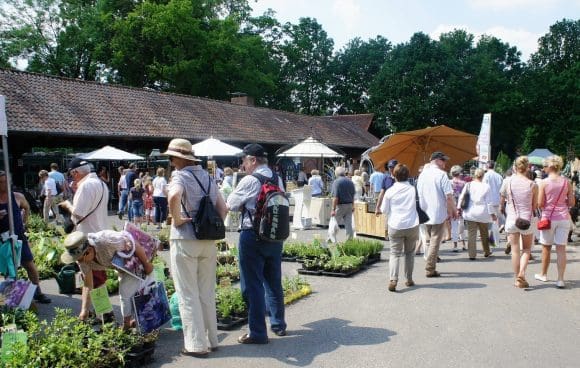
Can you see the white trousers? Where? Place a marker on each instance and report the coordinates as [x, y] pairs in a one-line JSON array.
[[128, 286], [193, 266]]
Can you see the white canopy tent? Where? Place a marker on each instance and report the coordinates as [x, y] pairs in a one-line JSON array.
[[212, 147], [109, 153], [310, 147]]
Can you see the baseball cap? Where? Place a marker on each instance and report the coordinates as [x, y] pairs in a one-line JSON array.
[[77, 162], [438, 155], [392, 163], [255, 150]]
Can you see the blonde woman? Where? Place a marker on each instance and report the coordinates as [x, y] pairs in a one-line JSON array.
[[160, 197], [359, 185], [519, 200], [555, 196], [457, 225], [136, 196], [478, 214]]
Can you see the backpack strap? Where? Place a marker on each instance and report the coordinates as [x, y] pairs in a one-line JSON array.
[[263, 179], [205, 192]]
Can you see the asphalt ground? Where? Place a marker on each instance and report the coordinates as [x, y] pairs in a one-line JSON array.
[[472, 316]]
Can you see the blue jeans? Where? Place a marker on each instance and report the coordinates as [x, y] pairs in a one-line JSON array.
[[137, 209], [160, 209], [123, 200], [261, 283]]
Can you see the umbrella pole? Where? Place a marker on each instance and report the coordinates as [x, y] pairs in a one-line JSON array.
[[9, 191]]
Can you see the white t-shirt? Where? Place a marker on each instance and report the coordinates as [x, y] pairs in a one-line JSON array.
[[480, 203], [434, 186], [399, 206], [159, 185], [494, 181], [49, 185]]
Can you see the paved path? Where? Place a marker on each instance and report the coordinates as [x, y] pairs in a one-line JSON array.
[[470, 317]]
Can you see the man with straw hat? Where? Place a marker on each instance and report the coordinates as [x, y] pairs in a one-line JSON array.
[[193, 261]]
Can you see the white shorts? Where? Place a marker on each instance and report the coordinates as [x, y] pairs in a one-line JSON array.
[[511, 228], [557, 234]]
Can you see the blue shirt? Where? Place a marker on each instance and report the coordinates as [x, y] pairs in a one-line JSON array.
[[376, 180], [343, 189]]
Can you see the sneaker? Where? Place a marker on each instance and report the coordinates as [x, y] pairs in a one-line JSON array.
[[542, 278], [508, 249], [488, 254], [560, 284], [393, 286], [279, 332], [410, 283]]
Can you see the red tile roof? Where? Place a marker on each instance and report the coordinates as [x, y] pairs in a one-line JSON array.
[[51, 105]]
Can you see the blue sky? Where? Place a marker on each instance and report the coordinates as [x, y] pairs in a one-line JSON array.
[[518, 22]]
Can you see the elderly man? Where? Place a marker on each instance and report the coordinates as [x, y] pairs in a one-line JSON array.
[[260, 261], [193, 261], [436, 199], [26, 258], [89, 214], [342, 200], [51, 197]]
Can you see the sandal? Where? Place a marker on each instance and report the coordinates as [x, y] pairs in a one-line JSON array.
[[247, 339], [521, 283]]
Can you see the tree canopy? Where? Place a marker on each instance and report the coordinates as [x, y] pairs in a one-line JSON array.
[[216, 48]]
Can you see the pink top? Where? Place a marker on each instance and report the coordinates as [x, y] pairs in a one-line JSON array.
[[522, 197], [552, 188]]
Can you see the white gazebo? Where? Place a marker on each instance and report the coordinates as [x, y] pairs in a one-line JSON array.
[[212, 147], [109, 153]]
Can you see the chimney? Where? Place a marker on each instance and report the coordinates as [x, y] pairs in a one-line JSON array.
[[240, 98]]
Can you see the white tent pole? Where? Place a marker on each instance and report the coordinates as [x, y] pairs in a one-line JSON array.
[[9, 191]]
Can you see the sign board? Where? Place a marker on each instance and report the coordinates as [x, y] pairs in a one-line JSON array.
[[484, 141], [101, 301]]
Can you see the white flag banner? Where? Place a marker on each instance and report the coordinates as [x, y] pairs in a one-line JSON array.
[[484, 140], [3, 120]]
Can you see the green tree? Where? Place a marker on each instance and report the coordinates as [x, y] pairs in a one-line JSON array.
[[551, 86], [405, 93], [307, 53], [353, 69]]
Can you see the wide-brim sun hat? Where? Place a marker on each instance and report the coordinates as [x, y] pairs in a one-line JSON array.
[[75, 245], [181, 148]]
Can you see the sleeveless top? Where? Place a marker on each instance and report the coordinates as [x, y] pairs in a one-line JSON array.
[[522, 190], [18, 224], [559, 205]]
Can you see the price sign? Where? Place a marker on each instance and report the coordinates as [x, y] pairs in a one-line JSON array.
[[100, 300]]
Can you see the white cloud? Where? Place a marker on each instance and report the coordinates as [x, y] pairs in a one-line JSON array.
[[348, 12], [525, 41], [499, 5]]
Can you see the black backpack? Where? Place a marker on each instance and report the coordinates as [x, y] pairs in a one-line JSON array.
[[271, 221], [207, 224]]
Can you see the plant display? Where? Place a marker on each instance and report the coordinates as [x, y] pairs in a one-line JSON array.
[[295, 288], [316, 263], [36, 224], [17, 316], [67, 342], [163, 236], [229, 302], [231, 271], [304, 250], [227, 256], [46, 248], [112, 281], [169, 287], [360, 247], [344, 264]]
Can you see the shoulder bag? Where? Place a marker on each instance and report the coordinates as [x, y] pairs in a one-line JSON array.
[[68, 224], [466, 198], [546, 223], [423, 216]]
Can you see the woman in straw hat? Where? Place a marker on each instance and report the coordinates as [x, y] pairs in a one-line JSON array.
[[193, 261]]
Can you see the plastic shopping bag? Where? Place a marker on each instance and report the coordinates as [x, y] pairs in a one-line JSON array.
[[151, 308], [332, 230]]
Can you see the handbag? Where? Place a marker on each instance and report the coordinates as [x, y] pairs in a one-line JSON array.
[[152, 308], [546, 223], [423, 216], [466, 198], [521, 223]]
